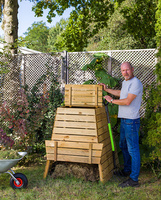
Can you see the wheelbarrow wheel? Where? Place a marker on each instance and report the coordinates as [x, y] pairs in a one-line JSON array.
[[23, 182]]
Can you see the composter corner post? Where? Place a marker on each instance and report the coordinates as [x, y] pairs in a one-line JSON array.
[[46, 168]]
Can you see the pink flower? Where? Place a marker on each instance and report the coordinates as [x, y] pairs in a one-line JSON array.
[[20, 109], [27, 111], [10, 126]]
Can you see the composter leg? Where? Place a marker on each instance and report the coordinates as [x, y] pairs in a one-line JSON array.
[[100, 172], [47, 168]]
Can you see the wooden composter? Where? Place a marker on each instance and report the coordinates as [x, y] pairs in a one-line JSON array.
[[80, 133]]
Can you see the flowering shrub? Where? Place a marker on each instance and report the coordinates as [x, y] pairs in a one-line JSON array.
[[30, 120], [5, 140], [14, 120]]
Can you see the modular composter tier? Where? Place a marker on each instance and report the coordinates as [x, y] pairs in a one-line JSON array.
[[80, 134]]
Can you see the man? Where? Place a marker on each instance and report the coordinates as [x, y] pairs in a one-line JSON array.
[[129, 105]]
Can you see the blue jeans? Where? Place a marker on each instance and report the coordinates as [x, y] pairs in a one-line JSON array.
[[129, 144]]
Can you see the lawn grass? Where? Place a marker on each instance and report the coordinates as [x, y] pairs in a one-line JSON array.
[[70, 188]]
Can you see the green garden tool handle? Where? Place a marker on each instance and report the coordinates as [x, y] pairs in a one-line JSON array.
[[109, 125], [110, 131]]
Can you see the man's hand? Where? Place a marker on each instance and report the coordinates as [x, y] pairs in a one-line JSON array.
[[104, 86], [110, 91], [108, 98]]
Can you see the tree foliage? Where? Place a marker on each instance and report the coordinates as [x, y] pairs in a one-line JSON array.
[[75, 36], [85, 13], [36, 37], [152, 120], [125, 31], [55, 34], [140, 21]]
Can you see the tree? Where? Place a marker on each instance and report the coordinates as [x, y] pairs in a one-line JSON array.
[[54, 34], [96, 12], [118, 35], [152, 119], [10, 23], [76, 34], [37, 36], [79, 27], [140, 21]]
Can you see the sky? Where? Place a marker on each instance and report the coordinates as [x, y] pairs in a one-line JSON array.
[[26, 17]]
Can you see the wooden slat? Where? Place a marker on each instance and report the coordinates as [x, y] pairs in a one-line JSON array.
[[73, 131], [76, 111], [107, 162], [70, 96], [74, 138], [75, 124], [78, 145], [69, 158], [100, 110], [84, 105], [106, 156], [55, 150], [101, 117], [107, 177], [106, 149], [103, 137], [102, 123], [102, 131], [108, 169], [77, 152], [84, 118], [90, 153], [106, 142], [83, 93], [106, 174], [86, 100], [96, 97], [83, 87]]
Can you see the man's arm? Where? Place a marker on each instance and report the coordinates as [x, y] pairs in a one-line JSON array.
[[127, 101], [111, 91]]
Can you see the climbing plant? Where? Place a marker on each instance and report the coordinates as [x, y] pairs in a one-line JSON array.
[[102, 76], [152, 95]]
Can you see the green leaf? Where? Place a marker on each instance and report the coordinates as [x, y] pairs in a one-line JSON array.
[[89, 82], [101, 73], [93, 62], [86, 67], [99, 55]]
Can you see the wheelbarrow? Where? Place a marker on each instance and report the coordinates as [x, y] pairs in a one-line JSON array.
[[17, 180]]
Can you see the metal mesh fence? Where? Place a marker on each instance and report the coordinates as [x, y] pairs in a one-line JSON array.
[[37, 65], [10, 78], [28, 69], [142, 60], [76, 60]]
